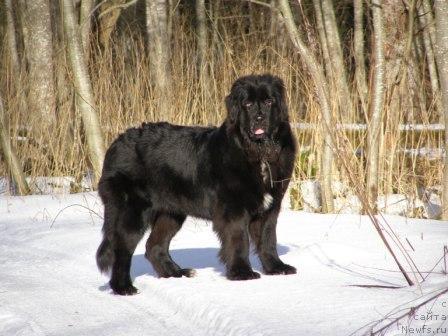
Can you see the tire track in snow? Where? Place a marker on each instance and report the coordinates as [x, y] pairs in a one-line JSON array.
[[206, 316], [61, 283]]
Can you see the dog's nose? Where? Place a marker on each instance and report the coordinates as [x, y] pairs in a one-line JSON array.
[[260, 117]]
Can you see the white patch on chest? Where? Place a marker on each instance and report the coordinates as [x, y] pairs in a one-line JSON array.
[[267, 201], [265, 172]]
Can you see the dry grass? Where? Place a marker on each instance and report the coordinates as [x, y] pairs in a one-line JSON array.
[[124, 98]]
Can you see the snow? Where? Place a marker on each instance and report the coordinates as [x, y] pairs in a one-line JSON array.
[[49, 185], [428, 205], [44, 185], [49, 284], [363, 127], [311, 195], [4, 185], [429, 153]]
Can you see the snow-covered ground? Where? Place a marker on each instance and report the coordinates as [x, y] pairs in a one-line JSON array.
[[49, 284]]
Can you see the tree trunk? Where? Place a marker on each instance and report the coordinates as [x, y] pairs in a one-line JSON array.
[[358, 46], [11, 33], [85, 22], [426, 25], [172, 16], [202, 43], [83, 88], [429, 18], [201, 32], [342, 94], [376, 105], [10, 157], [323, 38], [38, 41], [109, 14], [441, 48], [321, 85], [159, 53]]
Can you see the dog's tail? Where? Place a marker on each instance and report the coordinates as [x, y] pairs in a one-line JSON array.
[[105, 256]]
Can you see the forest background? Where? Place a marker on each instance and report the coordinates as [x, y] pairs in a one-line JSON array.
[[367, 85]]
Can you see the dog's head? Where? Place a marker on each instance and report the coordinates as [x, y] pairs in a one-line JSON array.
[[256, 106]]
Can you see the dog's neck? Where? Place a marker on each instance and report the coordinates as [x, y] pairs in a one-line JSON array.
[[265, 150]]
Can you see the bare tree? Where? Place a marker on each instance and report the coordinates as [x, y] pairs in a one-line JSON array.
[[426, 21], [201, 32], [358, 46], [9, 154], [202, 47], [429, 20], [321, 85], [441, 18], [83, 88], [109, 14], [11, 34], [376, 105], [322, 37], [337, 59], [159, 51], [85, 22], [38, 40]]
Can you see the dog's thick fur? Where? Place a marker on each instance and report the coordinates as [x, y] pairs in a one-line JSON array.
[[235, 175]]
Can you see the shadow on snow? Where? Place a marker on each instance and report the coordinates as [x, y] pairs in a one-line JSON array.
[[197, 258]]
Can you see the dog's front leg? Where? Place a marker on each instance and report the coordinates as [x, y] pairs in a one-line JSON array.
[[234, 252], [264, 236]]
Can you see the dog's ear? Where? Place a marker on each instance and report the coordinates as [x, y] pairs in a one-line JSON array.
[[280, 96], [233, 106]]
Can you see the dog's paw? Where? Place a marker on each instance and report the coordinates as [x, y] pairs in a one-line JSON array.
[[281, 269], [242, 275], [128, 290], [188, 272], [178, 273]]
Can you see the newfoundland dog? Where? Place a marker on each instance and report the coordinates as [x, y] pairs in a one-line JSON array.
[[234, 175]]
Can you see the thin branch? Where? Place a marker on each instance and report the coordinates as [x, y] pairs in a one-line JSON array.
[[376, 286], [409, 313], [70, 206], [119, 6], [261, 3]]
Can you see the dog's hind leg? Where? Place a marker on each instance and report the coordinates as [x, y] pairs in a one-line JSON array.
[[128, 232], [105, 256], [163, 230], [123, 228]]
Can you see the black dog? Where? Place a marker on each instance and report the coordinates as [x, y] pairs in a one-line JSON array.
[[235, 175]]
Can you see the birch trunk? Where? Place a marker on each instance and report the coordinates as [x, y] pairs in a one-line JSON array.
[[376, 105], [441, 48], [85, 22], [83, 89], [429, 18], [10, 157], [159, 53], [109, 14], [322, 38], [11, 34], [38, 41], [321, 85], [342, 95], [201, 32], [426, 25], [358, 46]]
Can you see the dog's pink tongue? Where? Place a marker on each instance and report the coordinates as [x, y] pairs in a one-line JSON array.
[[259, 131]]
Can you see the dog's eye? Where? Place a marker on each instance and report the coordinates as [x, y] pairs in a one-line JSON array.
[[248, 104], [268, 102]]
